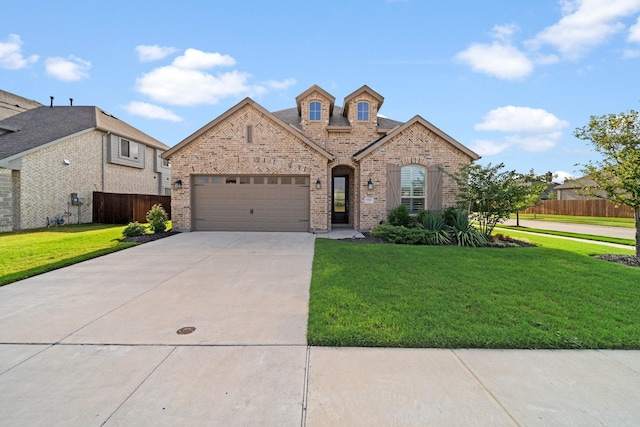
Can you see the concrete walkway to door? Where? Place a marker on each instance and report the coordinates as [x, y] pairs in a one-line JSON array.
[[95, 344]]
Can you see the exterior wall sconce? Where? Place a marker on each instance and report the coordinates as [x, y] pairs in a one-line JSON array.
[[370, 184], [177, 185], [318, 184]]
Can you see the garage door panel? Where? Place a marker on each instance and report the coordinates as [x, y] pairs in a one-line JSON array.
[[279, 203]]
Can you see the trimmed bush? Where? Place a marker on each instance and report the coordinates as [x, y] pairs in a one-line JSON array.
[[400, 216], [157, 218], [134, 229]]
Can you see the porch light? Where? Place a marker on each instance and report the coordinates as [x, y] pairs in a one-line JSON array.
[[318, 184], [177, 185], [370, 184]]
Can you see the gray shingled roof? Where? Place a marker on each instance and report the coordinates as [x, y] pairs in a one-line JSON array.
[[12, 104], [43, 125], [290, 116]]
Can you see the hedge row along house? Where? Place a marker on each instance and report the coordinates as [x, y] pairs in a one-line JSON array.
[[314, 167]]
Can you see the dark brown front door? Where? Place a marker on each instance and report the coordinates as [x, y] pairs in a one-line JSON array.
[[340, 205]]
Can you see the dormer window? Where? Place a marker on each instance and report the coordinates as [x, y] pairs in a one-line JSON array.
[[363, 111], [315, 111]]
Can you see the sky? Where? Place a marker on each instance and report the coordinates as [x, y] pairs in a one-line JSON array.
[[511, 80]]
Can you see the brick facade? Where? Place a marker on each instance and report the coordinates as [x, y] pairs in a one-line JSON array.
[[42, 187], [360, 150]]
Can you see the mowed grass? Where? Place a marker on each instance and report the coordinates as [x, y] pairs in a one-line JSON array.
[[551, 296], [31, 252], [590, 220]]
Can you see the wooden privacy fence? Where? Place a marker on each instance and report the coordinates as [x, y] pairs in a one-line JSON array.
[[595, 207], [114, 208]]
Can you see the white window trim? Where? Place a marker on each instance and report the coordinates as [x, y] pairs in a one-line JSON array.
[[413, 197], [358, 111], [319, 111]]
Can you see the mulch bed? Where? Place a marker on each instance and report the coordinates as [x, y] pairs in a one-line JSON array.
[[150, 237]]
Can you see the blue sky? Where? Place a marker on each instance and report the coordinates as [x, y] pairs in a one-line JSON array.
[[509, 79]]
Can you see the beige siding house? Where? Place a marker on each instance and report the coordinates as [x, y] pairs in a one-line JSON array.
[[313, 167], [52, 159]]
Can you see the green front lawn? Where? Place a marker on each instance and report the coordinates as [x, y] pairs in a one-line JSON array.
[[551, 296], [31, 252], [591, 220]]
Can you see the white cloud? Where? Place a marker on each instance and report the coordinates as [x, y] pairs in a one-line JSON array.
[[520, 119], [148, 53], [585, 24], [151, 111], [189, 81], [488, 148], [194, 59], [528, 129], [68, 70], [11, 56], [499, 59], [630, 53], [274, 84], [561, 176], [634, 32]]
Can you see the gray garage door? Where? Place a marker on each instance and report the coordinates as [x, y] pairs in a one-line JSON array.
[[251, 203]]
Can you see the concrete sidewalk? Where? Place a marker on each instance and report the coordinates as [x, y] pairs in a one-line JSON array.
[[596, 230], [96, 344]]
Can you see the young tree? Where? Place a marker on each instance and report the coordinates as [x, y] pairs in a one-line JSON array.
[[491, 195], [617, 138]]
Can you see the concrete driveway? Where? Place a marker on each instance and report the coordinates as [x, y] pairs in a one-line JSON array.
[[96, 344]]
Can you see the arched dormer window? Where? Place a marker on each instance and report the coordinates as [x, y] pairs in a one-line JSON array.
[[315, 111], [363, 111]]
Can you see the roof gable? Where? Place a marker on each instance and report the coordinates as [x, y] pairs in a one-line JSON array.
[[322, 92], [39, 127], [417, 119], [247, 101], [364, 89]]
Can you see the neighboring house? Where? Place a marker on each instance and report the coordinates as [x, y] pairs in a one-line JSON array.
[[11, 104], [313, 167], [49, 153], [574, 189]]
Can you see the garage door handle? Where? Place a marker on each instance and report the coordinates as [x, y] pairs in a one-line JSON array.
[[251, 211]]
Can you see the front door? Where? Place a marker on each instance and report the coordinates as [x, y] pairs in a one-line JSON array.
[[340, 205]]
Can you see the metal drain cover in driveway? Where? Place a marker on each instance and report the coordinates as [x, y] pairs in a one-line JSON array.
[[186, 330]]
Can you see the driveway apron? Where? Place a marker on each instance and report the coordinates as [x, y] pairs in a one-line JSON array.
[[103, 342]]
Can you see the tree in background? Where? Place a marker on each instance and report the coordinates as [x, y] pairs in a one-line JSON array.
[[616, 137], [491, 195]]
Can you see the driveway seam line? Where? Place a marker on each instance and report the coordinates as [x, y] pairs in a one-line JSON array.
[[137, 388], [305, 388], [493, 396]]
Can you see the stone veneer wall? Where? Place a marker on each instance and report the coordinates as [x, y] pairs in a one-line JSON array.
[[406, 148], [224, 150], [6, 200]]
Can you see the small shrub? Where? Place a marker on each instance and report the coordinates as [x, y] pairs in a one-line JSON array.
[[437, 231], [157, 218], [464, 233], [134, 229], [400, 216]]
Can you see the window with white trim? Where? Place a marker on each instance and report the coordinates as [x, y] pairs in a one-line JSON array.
[[315, 111], [412, 184], [128, 149], [363, 111]]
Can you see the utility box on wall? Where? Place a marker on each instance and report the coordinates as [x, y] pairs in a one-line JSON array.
[[75, 200]]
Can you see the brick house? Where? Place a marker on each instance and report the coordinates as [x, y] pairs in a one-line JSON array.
[[49, 153], [313, 167]]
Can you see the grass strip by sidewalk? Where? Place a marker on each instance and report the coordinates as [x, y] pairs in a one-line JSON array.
[[606, 239], [551, 296], [31, 252], [590, 220]]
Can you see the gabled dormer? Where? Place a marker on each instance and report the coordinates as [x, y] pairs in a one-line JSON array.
[[361, 108], [315, 107]]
